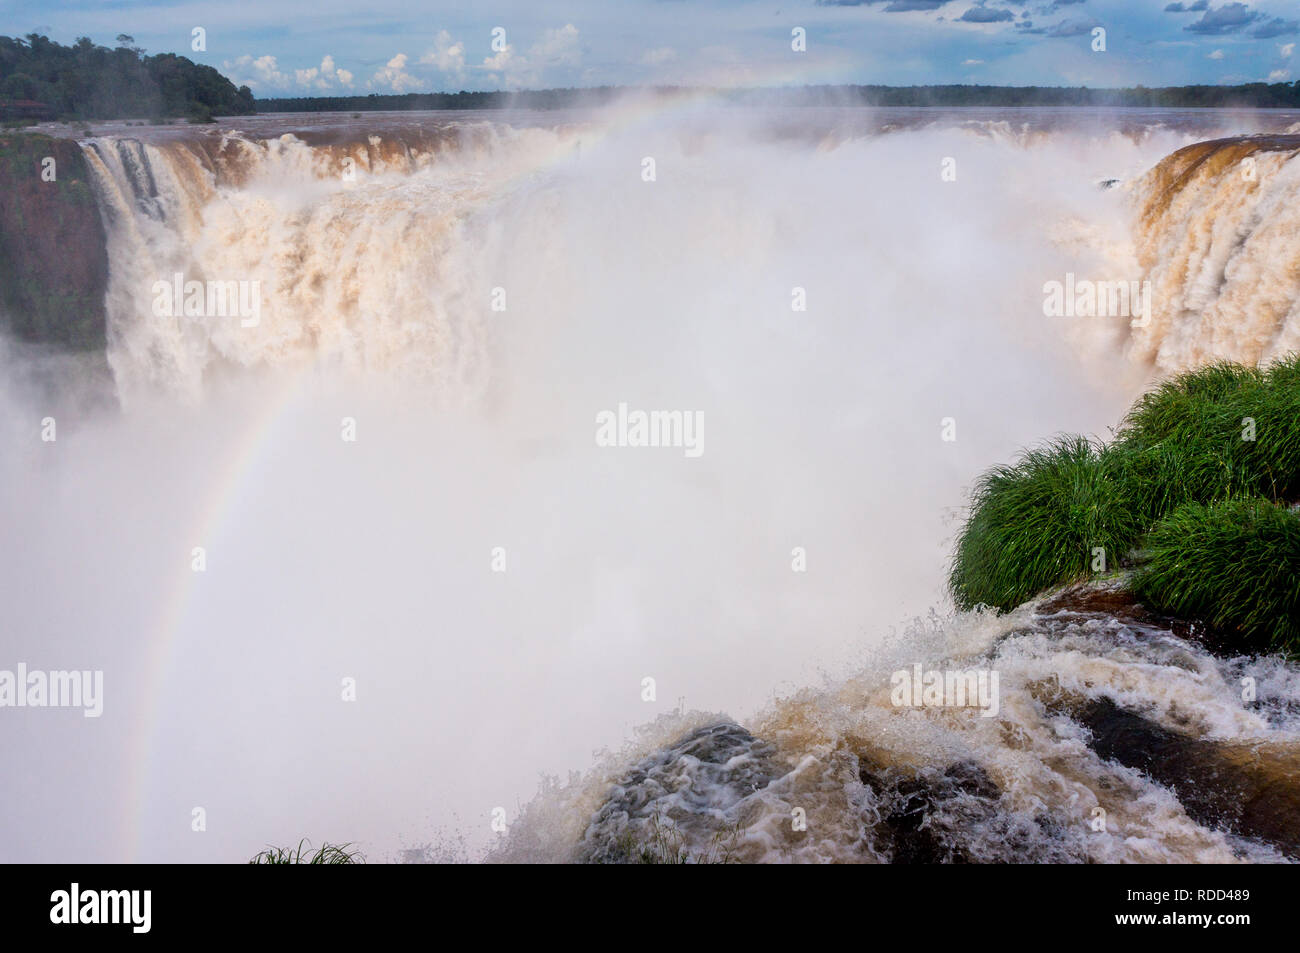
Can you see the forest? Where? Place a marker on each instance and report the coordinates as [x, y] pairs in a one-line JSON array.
[[1257, 95], [42, 79]]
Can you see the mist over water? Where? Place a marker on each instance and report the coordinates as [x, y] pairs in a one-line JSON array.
[[475, 429]]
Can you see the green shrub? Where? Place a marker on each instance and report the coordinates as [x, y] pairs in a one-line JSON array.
[[1221, 433], [1036, 524], [1235, 565]]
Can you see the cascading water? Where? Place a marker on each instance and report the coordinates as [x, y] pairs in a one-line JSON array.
[[499, 589], [353, 252], [1219, 234], [1116, 740]]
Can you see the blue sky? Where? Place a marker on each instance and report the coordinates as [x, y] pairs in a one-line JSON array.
[[331, 47]]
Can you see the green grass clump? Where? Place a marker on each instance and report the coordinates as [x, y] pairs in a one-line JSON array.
[[1036, 524], [1235, 564], [327, 854], [1230, 430], [1224, 434]]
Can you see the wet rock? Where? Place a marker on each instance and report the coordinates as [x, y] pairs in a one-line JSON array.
[[1249, 790], [955, 815], [678, 804], [916, 809], [1091, 601]]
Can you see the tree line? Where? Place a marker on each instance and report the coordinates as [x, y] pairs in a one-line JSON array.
[[1248, 95], [86, 81]]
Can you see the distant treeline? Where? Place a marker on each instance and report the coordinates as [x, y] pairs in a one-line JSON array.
[[43, 79], [525, 99], [1263, 95]]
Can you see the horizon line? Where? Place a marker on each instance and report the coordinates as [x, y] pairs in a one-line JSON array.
[[667, 88]]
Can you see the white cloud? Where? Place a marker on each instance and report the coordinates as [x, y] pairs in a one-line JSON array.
[[395, 77], [446, 55], [1216, 55], [1287, 49], [323, 77], [264, 73], [260, 73], [1279, 76], [499, 60], [658, 56], [972, 62], [556, 47]]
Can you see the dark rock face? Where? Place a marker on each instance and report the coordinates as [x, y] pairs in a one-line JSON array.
[[1247, 790], [695, 785], [53, 253], [953, 815], [1085, 601], [910, 828]]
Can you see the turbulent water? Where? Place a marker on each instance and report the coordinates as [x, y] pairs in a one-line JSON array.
[[1219, 236], [1118, 740], [465, 295]]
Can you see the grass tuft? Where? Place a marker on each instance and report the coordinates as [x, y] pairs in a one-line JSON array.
[[327, 854], [1235, 564], [1039, 522], [1233, 430]]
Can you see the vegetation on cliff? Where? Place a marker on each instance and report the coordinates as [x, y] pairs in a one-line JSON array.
[[85, 81], [53, 252], [1192, 496]]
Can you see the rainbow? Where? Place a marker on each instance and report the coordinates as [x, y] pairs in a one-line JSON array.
[[228, 487]]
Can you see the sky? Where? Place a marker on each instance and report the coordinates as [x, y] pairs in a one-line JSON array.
[[346, 47]]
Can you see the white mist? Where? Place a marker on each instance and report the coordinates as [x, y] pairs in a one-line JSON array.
[[373, 559]]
